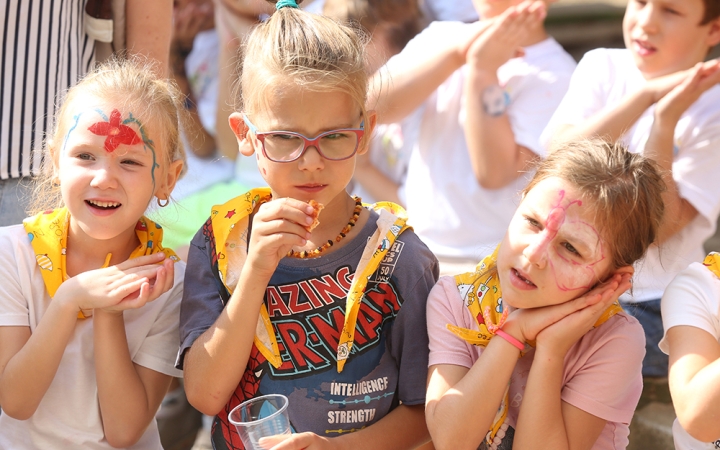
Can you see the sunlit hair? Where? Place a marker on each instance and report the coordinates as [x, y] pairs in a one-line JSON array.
[[133, 86], [401, 18], [712, 11], [307, 50], [624, 188]]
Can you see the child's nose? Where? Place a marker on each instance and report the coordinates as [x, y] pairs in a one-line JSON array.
[[536, 250], [311, 159], [646, 17], [104, 178]]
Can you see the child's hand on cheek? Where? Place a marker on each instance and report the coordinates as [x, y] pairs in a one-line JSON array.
[[298, 441], [127, 285], [527, 324], [277, 227], [558, 337]]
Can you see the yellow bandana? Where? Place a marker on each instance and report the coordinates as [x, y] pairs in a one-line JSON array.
[[482, 295], [712, 262], [48, 236], [230, 224]]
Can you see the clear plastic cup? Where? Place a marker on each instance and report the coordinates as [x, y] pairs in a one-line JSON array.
[[260, 417]]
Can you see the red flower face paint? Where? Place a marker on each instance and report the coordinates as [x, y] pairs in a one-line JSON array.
[[116, 132]]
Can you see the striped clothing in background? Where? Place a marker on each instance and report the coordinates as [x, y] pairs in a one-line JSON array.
[[43, 51]]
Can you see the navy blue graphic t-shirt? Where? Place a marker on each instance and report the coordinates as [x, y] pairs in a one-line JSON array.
[[306, 304]]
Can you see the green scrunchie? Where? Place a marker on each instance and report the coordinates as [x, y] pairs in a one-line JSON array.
[[283, 3]]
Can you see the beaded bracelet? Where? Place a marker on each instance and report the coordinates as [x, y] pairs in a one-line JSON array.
[[515, 343]]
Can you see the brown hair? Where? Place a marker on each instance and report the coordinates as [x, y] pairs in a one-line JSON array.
[[401, 17], [310, 50], [132, 83], [712, 11], [625, 188]]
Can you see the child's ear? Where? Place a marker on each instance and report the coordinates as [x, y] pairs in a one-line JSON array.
[[171, 177], [240, 128], [714, 33], [630, 270], [369, 126]]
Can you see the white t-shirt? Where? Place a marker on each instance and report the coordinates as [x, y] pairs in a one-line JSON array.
[[691, 299], [603, 79], [69, 414], [448, 209]]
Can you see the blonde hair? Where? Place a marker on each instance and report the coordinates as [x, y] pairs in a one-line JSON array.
[[312, 51], [131, 83], [625, 189]]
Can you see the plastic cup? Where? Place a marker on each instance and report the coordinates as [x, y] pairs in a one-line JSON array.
[[260, 417]]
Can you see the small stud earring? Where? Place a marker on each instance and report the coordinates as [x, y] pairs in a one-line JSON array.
[[161, 204]]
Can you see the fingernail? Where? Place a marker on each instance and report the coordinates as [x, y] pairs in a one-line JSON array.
[[308, 220]]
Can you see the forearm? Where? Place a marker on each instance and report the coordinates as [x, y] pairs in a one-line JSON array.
[[217, 360], [148, 28], [463, 415], [540, 423], [230, 57], [403, 428], [610, 124], [496, 158], [659, 147], [28, 374], [379, 185], [696, 396], [201, 142], [126, 406], [396, 94]]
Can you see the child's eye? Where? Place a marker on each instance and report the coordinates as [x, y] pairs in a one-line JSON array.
[[84, 156], [335, 136], [532, 222], [131, 162], [568, 246], [672, 11]]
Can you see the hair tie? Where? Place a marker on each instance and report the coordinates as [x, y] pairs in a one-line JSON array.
[[284, 3]]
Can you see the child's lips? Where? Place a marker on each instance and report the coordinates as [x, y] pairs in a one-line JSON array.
[[521, 280], [643, 48], [311, 187]]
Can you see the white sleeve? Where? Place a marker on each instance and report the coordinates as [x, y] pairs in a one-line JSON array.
[[159, 347], [531, 109], [585, 96], [435, 37], [14, 309], [692, 299], [697, 162]]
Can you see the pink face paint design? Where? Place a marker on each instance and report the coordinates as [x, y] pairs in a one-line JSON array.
[[571, 272], [117, 133]]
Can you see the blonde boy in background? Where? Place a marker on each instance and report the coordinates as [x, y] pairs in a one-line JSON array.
[[658, 98]]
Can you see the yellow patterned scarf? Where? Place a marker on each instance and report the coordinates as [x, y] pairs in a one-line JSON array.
[[230, 223], [712, 262], [48, 236], [482, 295]]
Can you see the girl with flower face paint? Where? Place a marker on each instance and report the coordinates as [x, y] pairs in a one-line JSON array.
[[532, 350], [89, 307]]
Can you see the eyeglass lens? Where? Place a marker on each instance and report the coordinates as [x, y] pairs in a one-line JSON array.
[[333, 145]]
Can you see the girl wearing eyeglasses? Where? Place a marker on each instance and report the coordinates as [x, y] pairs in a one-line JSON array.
[[331, 316]]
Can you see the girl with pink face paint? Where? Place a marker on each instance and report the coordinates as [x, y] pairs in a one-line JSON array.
[[565, 371]]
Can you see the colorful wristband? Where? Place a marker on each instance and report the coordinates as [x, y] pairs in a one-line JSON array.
[[515, 343]]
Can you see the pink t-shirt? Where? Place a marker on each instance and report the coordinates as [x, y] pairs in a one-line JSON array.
[[602, 373]]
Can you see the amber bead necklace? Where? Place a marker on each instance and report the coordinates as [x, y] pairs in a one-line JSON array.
[[346, 229]]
